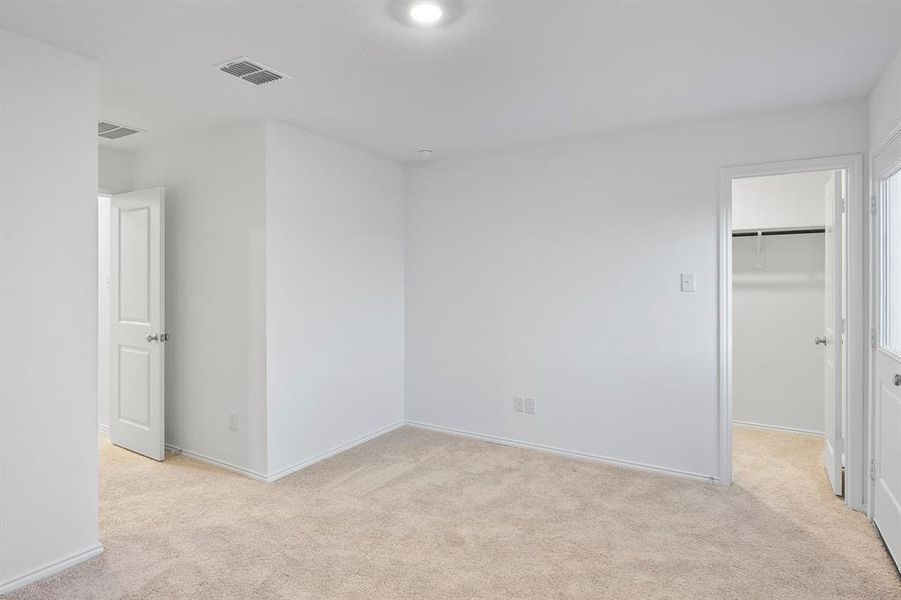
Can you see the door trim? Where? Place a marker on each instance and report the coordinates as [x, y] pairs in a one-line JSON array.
[[857, 337]]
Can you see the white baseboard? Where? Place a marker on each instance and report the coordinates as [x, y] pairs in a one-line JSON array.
[[286, 471], [778, 428], [217, 463], [50, 569], [103, 429], [336, 450], [563, 452]]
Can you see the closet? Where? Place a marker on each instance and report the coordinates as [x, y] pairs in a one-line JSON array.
[[778, 272]]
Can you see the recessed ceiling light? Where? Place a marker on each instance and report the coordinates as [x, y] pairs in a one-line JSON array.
[[426, 13]]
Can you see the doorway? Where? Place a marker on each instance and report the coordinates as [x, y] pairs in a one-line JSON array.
[[843, 441], [787, 315], [778, 288]]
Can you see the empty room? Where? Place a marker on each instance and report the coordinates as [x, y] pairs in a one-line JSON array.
[[450, 299]]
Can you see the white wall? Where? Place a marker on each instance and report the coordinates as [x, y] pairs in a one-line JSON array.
[[885, 104], [552, 271], [776, 313], [115, 170], [335, 295], [779, 201], [284, 299], [48, 309], [215, 290]]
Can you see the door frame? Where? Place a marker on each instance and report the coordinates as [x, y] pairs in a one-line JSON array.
[[103, 360], [855, 352]]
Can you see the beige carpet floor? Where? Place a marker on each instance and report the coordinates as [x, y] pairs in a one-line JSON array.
[[421, 515]]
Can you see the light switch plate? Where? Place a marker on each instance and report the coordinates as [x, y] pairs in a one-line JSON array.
[[688, 282]]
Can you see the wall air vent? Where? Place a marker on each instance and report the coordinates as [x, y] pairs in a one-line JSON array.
[[250, 70], [114, 131]]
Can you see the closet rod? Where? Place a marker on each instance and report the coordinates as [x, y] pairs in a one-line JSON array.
[[766, 232]]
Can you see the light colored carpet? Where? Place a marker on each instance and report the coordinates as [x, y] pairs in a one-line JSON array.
[[422, 515]]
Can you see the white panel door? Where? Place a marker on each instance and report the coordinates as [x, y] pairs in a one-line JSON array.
[[886, 471], [137, 327], [832, 341]]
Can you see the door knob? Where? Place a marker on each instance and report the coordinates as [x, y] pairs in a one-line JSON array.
[[153, 338], [897, 379], [820, 340]]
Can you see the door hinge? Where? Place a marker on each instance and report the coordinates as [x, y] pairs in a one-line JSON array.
[[872, 205], [844, 206], [873, 469], [872, 338]]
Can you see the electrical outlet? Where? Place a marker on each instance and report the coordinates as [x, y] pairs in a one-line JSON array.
[[687, 281], [518, 403], [530, 406], [232, 421]]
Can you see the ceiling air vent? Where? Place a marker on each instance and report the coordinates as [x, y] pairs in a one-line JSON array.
[[114, 131], [250, 70]]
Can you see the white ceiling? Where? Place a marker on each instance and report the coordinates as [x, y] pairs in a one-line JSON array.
[[503, 73]]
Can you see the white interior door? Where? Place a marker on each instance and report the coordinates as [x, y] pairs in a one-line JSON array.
[[137, 327], [832, 341], [886, 471]]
